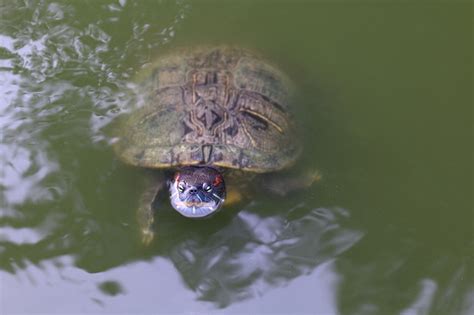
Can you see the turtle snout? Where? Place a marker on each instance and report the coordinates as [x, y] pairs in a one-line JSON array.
[[192, 191]]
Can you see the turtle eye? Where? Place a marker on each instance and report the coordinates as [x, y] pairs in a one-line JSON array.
[[207, 188], [181, 187]]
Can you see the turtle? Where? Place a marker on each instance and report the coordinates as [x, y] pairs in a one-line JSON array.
[[213, 120]]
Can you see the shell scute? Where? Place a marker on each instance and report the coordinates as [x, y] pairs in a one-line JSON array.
[[217, 106]]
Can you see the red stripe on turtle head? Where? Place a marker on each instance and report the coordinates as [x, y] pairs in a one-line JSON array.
[[217, 180]]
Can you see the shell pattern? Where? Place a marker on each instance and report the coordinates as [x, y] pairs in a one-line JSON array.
[[217, 106]]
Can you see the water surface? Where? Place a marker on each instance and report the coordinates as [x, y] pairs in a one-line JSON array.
[[385, 109]]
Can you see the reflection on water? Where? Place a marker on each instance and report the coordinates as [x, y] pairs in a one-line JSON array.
[[254, 253], [151, 285], [242, 259], [67, 205]]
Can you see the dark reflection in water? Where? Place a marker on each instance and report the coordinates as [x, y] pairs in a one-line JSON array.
[[111, 288], [254, 252], [67, 222]]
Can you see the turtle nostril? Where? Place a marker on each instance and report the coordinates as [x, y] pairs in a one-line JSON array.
[[193, 191]]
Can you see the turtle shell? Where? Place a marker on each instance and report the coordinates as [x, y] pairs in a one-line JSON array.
[[220, 106]]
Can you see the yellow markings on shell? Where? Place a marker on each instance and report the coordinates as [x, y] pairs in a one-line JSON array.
[[247, 133], [274, 124]]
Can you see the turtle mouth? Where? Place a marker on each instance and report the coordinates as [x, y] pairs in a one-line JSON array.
[[195, 209]]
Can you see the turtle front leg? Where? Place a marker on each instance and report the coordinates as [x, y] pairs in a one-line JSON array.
[[281, 185], [155, 190]]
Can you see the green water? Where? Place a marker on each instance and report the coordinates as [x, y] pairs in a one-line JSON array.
[[385, 105]]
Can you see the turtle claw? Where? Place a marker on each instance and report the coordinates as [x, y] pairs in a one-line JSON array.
[[147, 236]]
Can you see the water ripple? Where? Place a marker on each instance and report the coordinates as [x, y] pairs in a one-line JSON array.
[[266, 252], [63, 75]]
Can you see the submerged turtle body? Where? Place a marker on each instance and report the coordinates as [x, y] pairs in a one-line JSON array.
[[223, 107]]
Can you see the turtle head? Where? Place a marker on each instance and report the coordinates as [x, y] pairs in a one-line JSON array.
[[197, 191]]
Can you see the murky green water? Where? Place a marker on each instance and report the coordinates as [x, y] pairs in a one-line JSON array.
[[385, 103]]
